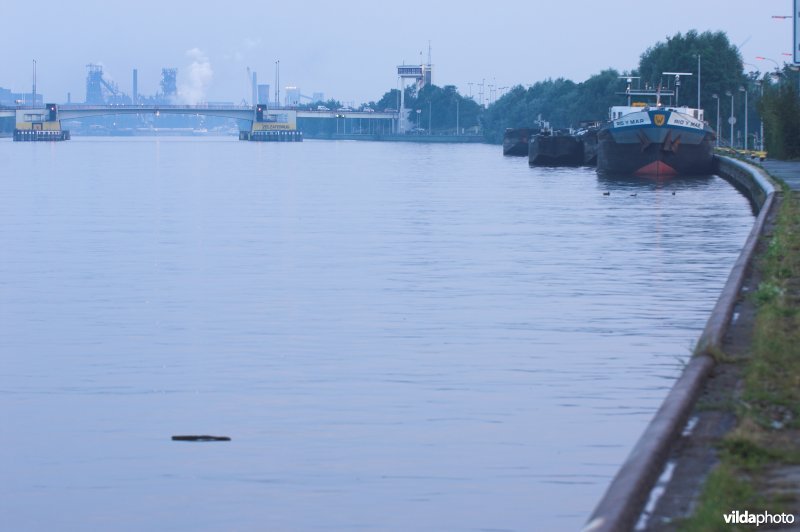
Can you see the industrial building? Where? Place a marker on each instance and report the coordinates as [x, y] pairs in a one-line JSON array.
[[11, 99]]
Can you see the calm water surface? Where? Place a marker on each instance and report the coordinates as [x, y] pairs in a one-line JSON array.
[[395, 336]]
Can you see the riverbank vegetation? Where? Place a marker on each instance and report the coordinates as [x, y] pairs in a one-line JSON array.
[[725, 90], [780, 108], [439, 110], [566, 104]]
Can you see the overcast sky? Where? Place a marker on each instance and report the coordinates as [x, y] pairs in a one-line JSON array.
[[349, 49]]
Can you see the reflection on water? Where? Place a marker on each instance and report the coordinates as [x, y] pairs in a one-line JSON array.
[[654, 183], [395, 337]]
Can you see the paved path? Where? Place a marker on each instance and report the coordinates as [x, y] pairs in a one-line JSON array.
[[789, 171]]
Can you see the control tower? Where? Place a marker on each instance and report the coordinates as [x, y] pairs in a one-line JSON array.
[[422, 75]]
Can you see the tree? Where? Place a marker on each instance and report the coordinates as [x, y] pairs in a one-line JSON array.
[[312, 106], [780, 110], [561, 102], [565, 103], [596, 95], [390, 100], [721, 67], [438, 107]]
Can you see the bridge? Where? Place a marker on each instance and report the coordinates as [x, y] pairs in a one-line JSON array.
[[30, 120], [238, 112]]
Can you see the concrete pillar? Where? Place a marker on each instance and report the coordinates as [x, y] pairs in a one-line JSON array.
[[135, 86]]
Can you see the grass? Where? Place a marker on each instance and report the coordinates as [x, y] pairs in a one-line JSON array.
[[772, 378], [724, 490], [768, 430]]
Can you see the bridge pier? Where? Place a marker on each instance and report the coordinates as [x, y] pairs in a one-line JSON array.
[[272, 135], [37, 125], [264, 125], [278, 126]]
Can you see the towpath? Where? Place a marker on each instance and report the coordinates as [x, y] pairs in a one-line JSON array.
[[789, 171]]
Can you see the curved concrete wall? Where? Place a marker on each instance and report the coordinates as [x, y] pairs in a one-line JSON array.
[[622, 503], [747, 177]]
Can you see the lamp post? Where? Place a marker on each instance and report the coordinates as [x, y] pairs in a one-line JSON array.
[[716, 97], [732, 119], [762, 58], [33, 92], [698, 81], [430, 111], [761, 119], [277, 84], [744, 90], [457, 113]]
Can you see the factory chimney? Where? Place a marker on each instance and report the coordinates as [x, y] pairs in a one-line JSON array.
[[33, 92], [135, 86], [255, 89]]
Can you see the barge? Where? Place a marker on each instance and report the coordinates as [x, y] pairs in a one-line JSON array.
[[555, 149], [658, 140], [515, 141]]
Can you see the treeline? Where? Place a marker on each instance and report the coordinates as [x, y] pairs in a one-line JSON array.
[[561, 102], [725, 91], [434, 108], [564, 103], [780, 109]]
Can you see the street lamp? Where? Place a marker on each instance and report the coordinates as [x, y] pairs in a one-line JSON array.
[[744, 90], [732, 119], [418, 113], [716, 97], [457, 113], [278, 84], [761, 119], [762, 58]]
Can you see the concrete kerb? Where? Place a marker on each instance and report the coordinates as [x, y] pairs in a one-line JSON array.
[[623, 501]]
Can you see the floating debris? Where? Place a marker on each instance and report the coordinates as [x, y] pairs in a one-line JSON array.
[[606, 193], [201, 438]]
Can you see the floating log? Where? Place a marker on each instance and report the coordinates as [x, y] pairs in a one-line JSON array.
[[201, 438]]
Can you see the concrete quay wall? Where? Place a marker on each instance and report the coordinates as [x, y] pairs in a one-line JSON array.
[[623, 502]]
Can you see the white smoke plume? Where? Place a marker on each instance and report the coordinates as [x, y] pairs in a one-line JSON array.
[[198, 77]]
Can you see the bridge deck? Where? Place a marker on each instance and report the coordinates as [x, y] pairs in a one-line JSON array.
[[73, 111]]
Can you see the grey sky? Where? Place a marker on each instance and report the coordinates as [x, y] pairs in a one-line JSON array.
[[348, 49]]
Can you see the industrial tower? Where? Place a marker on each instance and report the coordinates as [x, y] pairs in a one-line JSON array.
[[98, 90], [169, 84]]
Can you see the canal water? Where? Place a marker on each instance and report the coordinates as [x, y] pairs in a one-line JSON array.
[[394, 336]]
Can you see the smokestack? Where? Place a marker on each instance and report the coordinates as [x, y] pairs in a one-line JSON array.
[[255, 89], [135, 86]]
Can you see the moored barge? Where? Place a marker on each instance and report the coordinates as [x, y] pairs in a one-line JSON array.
[[657, 140]]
